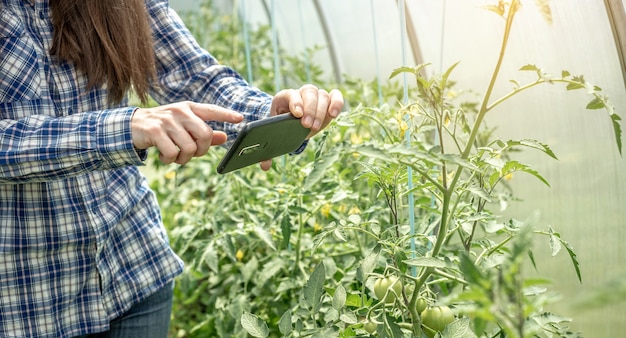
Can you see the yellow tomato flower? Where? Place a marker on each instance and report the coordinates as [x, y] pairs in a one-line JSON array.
[[317, 227], [325, 210], [354, 211], [355, 139], [403, 128], [239, 255], [508, 176], [170, 175]]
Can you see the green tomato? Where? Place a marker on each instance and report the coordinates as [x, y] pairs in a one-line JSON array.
[[421, 304], [369, 326], [435, 319], [381, 286]]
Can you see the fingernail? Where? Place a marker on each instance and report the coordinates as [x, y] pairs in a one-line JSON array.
[[307, 121], [299, 111], [334, 113], [316, 125]]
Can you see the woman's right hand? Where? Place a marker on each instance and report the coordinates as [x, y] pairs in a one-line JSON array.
[[179, 130]]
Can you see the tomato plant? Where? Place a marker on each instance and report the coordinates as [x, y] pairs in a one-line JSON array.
[[342, 240]]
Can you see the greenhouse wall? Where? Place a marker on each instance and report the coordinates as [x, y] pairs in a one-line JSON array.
[[586, 197]]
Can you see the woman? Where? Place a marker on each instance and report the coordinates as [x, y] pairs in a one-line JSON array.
[[82, 247]]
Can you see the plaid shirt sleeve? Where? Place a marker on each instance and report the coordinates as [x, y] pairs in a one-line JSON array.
[[188, 72], [42, 148]]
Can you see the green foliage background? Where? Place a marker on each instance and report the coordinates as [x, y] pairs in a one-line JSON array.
[[296, 251]]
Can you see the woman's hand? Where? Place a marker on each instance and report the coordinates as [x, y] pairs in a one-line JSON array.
[[316, 108], [179, 130]]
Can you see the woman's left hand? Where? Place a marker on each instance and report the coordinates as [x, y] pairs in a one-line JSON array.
[[315, 107]]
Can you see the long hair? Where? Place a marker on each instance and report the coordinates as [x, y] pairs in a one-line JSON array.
[[110, 41]]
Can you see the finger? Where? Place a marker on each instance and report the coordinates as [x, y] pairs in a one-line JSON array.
[[200, 133], [219, 137], [321, 112], [211, 112], [336, 103], [187, 146], [266, 165], [287, 101], [168, 151], [309, 96]]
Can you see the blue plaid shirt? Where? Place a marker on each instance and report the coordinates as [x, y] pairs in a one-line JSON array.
[[81, 235]]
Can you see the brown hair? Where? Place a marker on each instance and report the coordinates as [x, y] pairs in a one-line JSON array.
[[110, 41]]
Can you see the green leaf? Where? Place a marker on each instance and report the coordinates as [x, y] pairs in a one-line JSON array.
[[446, 75], [555, 243], [368, 264], [285, 226], [349, 318], [578, 82], [532, 144], [354, 300], [284, 325], [250, 269], [254, 325], [426, 262], [315, 287], [401, 70], [617, 129], [596, 103], [320, 166], [529, 67], [375, 153], [471, 273], [572, 256], [531, 256], [339, 298], [546, 318], [479, 192], [413, 70], [269, 270], [557, 237], [265, 236], [513, 166], [209, 256], [459, 328]]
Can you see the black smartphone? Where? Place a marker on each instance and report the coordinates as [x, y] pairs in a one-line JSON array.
[[263, 140]]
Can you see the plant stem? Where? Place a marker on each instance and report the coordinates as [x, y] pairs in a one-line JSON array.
[[299, 239], [474, 133]]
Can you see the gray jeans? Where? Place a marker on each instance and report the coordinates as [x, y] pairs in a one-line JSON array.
[[148, 319]]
